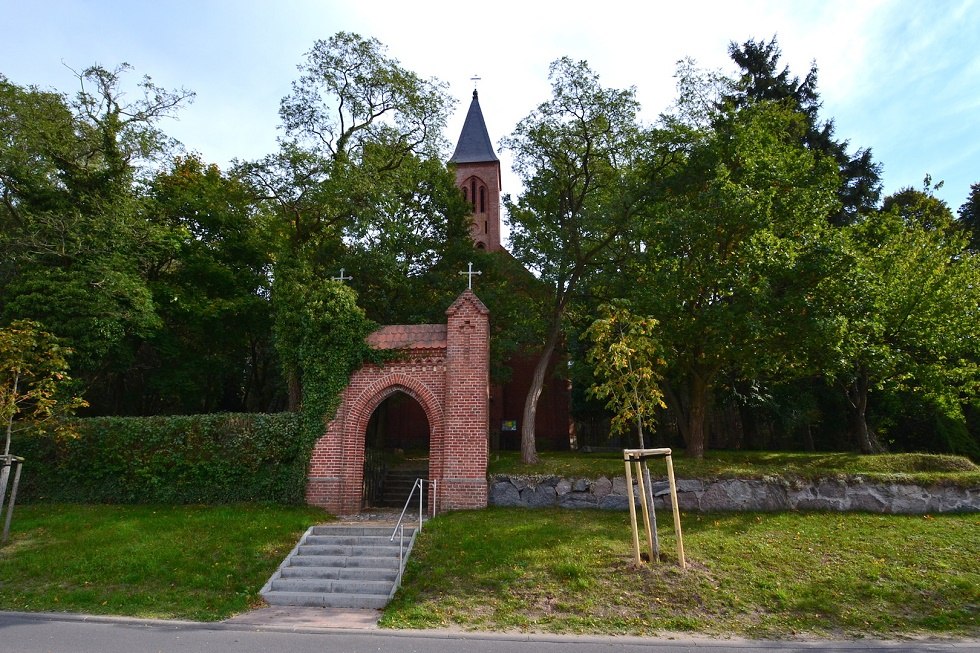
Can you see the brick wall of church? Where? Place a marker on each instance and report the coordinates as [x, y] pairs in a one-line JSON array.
[[486, 226]]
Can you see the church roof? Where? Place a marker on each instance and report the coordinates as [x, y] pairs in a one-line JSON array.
[[409, 336], [474, 144]]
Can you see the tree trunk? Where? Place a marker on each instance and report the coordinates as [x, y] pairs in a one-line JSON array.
[[529, 453], [808, 445], [295, 392], [698, 408], [680, 414], [858, 397], [10, 420]]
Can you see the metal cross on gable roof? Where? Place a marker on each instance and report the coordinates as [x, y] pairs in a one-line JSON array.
[[342, 278], [470, 274]]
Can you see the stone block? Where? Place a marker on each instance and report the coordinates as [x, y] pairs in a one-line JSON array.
[[504, 494], [861, 498], [578, 500], [689, 485], [614, 502], [619, 486], [563, 487], [602, 487], [541, 496]]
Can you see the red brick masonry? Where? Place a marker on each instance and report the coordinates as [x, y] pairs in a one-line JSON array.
[[445, 368]]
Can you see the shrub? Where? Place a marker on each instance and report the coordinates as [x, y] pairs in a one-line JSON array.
[[216, 458]]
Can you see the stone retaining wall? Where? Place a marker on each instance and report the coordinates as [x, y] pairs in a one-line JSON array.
[[855, 494]]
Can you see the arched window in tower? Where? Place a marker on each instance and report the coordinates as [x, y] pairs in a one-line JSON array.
[[483, 199], [465, 195], [473, 193]]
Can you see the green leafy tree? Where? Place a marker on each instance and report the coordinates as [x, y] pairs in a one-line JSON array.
[[358, 183], [762, 79], [211, 291], [907, 305], [725, 253], [321, 340], [70, 220], [575, 156], [627, 361], [34, 380]]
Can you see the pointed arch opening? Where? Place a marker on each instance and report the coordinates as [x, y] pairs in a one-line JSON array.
[[396, 450]]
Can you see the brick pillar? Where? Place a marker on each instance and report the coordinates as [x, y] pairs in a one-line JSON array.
[[463, 454]]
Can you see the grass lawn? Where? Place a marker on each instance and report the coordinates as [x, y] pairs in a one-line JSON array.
[[911, 467], [750, 574], [181, 562]]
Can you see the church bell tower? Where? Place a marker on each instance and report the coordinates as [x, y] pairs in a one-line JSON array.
[[478, 176]]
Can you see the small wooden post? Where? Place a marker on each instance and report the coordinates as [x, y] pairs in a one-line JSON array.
[[646, 509], [677, 512], [636, 534]]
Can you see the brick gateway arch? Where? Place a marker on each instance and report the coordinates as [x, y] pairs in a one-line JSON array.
[[445, 368]]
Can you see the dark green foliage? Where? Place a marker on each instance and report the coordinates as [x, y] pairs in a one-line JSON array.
[[71, 223], [970, 217], [762, 80], [218, 458]]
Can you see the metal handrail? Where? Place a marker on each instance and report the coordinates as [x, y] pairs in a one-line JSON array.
[[400, 527], [419, 483]]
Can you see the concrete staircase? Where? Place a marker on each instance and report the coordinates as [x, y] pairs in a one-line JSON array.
[[340, 566]]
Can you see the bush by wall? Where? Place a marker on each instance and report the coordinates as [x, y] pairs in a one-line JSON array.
[[216, 458]]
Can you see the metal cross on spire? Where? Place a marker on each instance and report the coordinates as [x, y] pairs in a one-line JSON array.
[[470, 273], [342, 278], [475, 78]]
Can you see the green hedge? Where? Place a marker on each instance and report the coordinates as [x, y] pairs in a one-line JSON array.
[[218, 458]]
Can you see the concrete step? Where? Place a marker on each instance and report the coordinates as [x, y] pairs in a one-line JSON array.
[[327, 600], [372, 562], [351, 540], [349, 550], [375, 531], [326, 586], [340, 573]]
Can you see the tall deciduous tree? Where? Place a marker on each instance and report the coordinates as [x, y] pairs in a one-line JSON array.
[[72, 227], [575, 155], [211, 290], [724, 252], [358, 182], [907, 305]]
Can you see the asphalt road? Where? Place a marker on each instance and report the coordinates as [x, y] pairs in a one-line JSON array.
[[30, 633]]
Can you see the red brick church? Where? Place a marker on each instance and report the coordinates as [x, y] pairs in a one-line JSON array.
[[433, 412]]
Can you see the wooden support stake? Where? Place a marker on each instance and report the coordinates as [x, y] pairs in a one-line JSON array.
[[636, 534], [677, 512], [644, 499]]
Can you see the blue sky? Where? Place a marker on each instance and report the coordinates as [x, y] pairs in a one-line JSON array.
[[899, 76]]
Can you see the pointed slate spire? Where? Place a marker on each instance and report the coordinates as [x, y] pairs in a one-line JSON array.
[[474, 144]]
